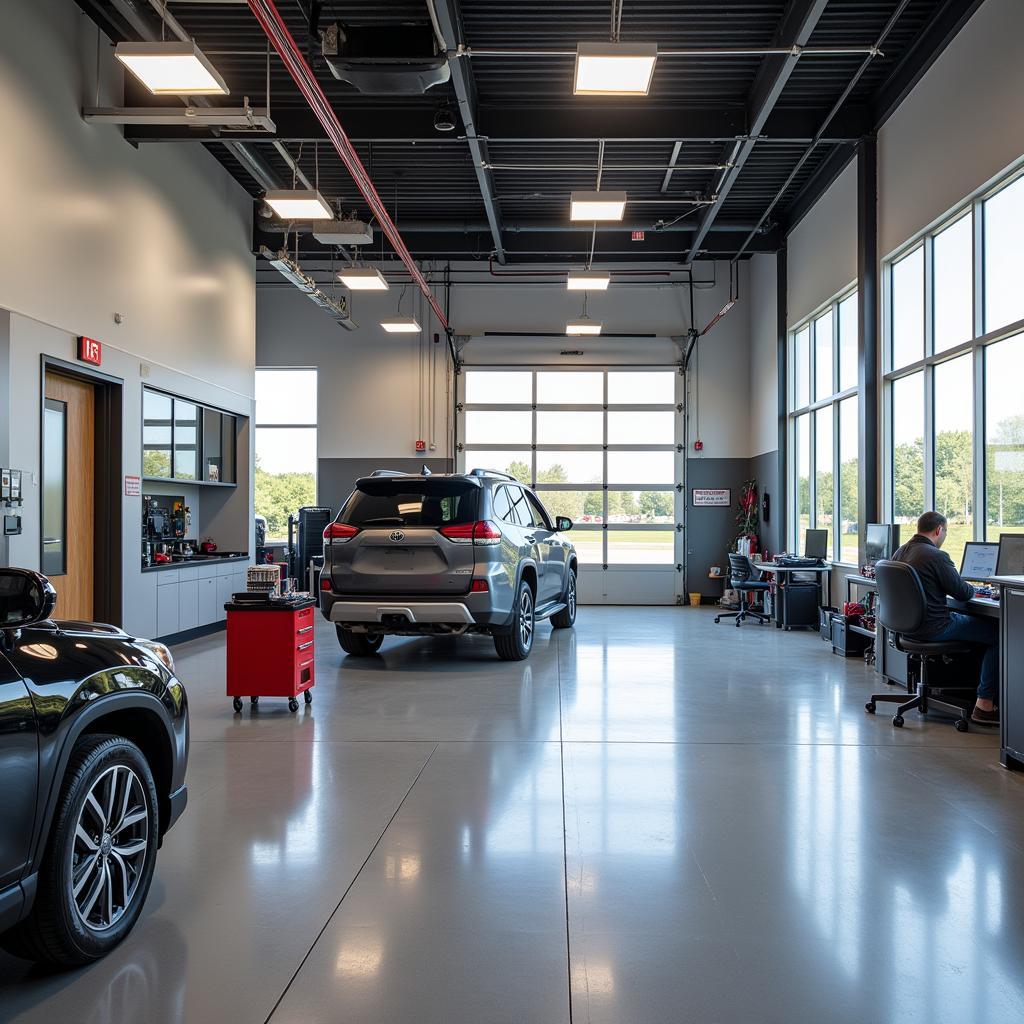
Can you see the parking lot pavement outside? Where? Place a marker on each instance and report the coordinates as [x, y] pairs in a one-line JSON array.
[[653, 819]]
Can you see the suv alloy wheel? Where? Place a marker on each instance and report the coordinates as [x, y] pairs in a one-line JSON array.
[[516, 644]]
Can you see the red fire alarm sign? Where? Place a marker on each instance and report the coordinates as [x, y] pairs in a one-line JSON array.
[[90, 351], [421, 446], [638, 236]]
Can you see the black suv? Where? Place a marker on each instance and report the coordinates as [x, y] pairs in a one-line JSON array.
[[446, 554], [93, 748]]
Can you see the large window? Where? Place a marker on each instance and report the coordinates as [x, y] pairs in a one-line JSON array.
[[824, 457], [285, 445], [954, 318]]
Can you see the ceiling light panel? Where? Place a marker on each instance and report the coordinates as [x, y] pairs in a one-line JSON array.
[[583, 326], [597, 205], [171, 69], [614, 69], [401, 325], [588, 280], [363, 279], [298, 204]]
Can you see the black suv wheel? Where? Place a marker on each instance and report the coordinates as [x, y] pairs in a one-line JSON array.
[[516, 644], [361, 645], [567, 616], [100, 857]]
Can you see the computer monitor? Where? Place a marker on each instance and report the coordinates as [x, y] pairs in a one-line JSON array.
[[816, 544], [979, 561], [1011, 555], [881, 541]]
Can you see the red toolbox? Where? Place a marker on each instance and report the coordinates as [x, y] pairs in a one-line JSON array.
[[270, 651]]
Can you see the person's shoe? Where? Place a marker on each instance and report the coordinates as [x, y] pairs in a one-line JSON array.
[[985, 717]]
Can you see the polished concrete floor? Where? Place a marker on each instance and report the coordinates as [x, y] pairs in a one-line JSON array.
[[654, 819]]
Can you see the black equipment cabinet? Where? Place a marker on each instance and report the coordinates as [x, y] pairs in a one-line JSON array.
[[1011, 676], [798, 603], [308, 541]]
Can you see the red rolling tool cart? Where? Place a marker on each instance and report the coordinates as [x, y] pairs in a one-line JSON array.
[[270, 650]]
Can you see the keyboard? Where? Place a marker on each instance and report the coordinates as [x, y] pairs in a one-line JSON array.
[[799, 562]]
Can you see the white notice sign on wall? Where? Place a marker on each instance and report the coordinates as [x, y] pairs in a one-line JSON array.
[[711, 497]]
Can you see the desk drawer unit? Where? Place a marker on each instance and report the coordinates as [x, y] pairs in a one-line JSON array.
[[270, 653], [1011, 677]]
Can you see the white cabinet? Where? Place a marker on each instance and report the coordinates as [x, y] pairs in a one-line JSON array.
[[208, 610], [223, 594], [166, 610], [188, 604], [140, 607]]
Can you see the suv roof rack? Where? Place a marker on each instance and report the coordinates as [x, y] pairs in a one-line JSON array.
[[492, 472]]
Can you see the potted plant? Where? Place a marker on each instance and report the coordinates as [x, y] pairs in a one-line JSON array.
[[747, 519]]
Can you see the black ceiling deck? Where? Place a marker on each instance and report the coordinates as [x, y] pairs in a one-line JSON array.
[[541, 142]]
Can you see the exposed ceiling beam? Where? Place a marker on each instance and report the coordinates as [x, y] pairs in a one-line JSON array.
[[936, 35], [449, 26], [794, 30], [558, 124]]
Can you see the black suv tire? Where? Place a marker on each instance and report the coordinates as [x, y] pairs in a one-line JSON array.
[[360, 645], [516, 644], [567, 616], [55, 931]]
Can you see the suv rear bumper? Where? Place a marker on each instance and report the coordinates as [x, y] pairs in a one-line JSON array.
[[415, 612]]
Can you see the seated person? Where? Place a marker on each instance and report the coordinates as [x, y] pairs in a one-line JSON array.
[[939, 578]]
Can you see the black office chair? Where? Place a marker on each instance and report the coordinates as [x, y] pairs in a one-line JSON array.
[[743, 578], [901, 610]]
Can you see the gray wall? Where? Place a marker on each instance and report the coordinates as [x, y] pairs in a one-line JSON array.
[[764, 469], [711, 531]]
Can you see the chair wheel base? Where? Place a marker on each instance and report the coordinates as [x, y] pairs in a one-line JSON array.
[[961, 725], [897, 720], [870, 707]]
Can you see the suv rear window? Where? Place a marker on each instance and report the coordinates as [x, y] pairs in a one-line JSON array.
[[395, 503]]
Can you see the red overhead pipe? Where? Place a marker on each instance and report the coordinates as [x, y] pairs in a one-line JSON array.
[[270, 20]]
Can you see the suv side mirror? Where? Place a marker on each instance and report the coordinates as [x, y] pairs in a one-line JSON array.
[[562, 524], [26, 597]]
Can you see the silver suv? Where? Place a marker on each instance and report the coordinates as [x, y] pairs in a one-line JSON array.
[[446, 554]]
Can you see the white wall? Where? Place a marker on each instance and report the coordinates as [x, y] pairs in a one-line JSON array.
[[370, 382], [961, 126], [822, 249], [764, 337], [93, 226]]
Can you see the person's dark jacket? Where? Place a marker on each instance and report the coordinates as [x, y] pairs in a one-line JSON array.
[[938, 577]]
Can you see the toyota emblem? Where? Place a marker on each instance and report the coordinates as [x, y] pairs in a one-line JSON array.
[[396, 536]]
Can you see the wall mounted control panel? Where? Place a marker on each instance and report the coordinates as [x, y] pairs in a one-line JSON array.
[[11, 500]]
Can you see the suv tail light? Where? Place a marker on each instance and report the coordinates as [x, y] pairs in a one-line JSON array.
[[340, 532], [481, 532]]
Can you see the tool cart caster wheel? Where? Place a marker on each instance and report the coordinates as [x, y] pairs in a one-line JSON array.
[[237, 705], [897, 720], [870, 707], [293, 704], [254, 701], [308, 697], [961, 725]]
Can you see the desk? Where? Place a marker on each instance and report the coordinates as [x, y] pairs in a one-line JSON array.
[[1011, 670], [984, 607], [782, 622]]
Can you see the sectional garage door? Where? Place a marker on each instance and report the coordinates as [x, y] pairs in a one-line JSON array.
[[601, 446]]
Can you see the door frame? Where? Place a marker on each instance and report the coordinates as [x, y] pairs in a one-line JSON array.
[[108, 463], [623, 577]]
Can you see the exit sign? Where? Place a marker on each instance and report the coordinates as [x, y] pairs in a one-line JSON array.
[[638, 236], [90, 351]]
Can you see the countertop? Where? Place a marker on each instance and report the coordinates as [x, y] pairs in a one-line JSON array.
[[219, 560]]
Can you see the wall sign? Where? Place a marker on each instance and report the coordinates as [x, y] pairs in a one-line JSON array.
[[712, 497], [133, 486], [90, 351]]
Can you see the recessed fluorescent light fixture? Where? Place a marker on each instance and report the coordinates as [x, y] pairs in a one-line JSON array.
[[171, 69], [401, 325], [583, 326], [299, 204], [597, 205], [363, 279], [614, 69], [588, 280]]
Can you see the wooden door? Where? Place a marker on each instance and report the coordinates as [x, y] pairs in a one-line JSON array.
[[75, 402]]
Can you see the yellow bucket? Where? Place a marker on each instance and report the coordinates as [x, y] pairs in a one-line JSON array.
[[695, 600]]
